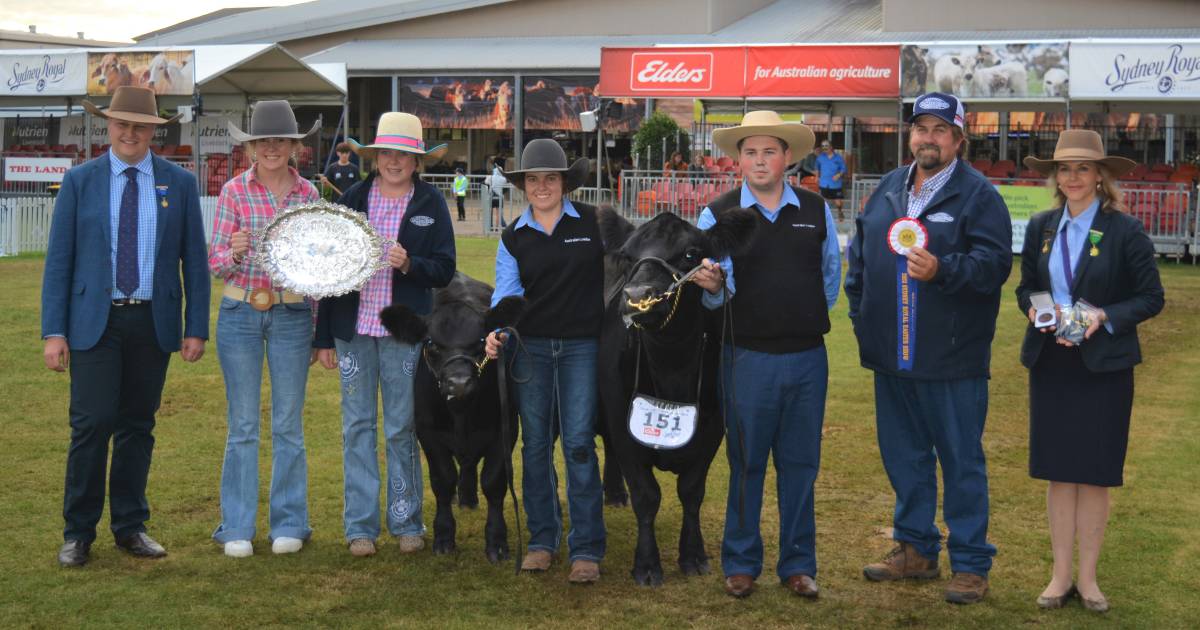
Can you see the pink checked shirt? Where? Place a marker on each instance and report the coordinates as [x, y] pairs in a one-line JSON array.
[[246, 204], [385, 215]]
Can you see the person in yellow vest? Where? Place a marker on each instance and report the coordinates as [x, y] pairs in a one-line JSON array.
[[460, 193]]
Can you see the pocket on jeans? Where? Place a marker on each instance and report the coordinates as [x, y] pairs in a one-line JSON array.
[[230, 304], [297, 306]]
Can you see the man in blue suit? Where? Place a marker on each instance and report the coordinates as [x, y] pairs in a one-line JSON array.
[[126, 227]]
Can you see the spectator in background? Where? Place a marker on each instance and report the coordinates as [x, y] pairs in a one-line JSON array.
[[343, 174], [460, 193], [496, 181], [698, 170], [675, 166], [830, 168]]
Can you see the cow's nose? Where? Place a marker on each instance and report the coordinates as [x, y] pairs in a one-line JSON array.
[[456, 385], [638, 292]]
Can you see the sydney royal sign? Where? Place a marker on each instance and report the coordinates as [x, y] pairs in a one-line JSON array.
[[1136, 70], [44, 74]]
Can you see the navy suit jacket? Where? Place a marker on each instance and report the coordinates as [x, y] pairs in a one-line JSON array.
[[77, 283], [1122, 278]]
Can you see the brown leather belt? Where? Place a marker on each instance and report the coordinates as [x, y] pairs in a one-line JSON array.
[[261, 299]]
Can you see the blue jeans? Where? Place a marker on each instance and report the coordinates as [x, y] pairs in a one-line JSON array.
[[780, 405], [562, 379], [922, 423], [368, 366], [284, 334]]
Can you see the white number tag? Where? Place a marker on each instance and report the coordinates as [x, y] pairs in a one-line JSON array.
[[661, 424]]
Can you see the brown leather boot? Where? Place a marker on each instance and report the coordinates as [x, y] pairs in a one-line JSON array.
[[902, 563], [966, 588]]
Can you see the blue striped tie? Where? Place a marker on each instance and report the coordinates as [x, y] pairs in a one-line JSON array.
[[127, 237]]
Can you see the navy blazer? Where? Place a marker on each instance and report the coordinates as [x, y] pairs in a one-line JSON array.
[[971, 234], [77, 283], [1122, 278], [426, 233]]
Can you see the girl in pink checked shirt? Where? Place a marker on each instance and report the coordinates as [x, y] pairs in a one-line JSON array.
[[351, 337], [256, 320]]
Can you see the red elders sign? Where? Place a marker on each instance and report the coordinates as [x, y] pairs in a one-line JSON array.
[[752, 71], [671, 72], [823, 71]]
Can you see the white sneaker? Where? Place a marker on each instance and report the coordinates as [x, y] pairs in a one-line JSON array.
[[286, 545], [239, 549]]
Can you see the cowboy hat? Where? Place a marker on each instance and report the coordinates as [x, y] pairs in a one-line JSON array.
[[271, 119], [547, 156], [398, 131], [131, 104], [799, 138], [1080, 145]]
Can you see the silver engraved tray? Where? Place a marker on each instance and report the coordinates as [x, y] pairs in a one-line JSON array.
[[320, 249]]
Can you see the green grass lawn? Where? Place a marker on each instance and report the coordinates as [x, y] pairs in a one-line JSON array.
[[1146, 570]]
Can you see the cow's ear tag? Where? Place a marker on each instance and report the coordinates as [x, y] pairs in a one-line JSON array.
[[661, 424]]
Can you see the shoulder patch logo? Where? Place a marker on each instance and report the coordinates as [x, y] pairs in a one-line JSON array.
[[940, 217], [421, 220]]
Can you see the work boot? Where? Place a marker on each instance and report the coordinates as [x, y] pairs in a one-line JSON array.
[[966, 588], [536, 560], [902, 563]]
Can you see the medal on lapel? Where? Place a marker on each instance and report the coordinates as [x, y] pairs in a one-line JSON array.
[[904, 234], [162, 195], [1094, 237]]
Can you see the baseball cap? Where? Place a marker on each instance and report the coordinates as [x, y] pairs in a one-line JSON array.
[[940, 104]]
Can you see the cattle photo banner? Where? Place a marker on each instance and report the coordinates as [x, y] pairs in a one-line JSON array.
[[167, 72], [995, 70], [459, 102], [50, 73], [555, 102], [1120, 70]]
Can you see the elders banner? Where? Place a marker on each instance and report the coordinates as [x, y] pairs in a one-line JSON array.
[[717, 72], [1121, 70], [823, 71]]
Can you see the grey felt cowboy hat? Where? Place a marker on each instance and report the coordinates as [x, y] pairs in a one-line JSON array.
[[271, 119], [131, 104], [546, 156], [1080, 145]]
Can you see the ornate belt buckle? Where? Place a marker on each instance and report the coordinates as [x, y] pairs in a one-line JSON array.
[[262, 299]]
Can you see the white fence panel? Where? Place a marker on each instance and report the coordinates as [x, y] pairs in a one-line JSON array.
[[24, 224]]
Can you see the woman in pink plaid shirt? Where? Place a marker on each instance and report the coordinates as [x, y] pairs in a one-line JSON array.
[[351, 337], [258, 319]]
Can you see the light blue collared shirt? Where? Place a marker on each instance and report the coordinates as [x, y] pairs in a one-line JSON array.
[[147, 221], [508, 276], [831, 256], [1077, 239]]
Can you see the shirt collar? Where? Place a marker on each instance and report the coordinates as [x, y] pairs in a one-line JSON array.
[[933, 184], [1085, 218], [118, 166], [253, 176], [526, 218], [749, 200]]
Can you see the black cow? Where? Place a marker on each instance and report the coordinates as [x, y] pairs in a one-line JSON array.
[[456, 405], [679, 344]]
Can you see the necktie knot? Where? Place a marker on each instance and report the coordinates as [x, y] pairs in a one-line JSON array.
[[131, 173]]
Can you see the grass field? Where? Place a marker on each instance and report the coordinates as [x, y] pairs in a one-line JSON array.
[[1147, 569]]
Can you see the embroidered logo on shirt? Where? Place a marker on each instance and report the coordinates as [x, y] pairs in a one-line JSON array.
[[579, 239], [940, 217], [804, 225], [421, 221]]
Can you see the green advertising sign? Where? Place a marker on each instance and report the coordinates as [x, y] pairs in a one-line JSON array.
[[1023, 202]]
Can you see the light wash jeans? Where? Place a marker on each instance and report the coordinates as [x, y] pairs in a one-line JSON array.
[[369, 365], [244, 335]]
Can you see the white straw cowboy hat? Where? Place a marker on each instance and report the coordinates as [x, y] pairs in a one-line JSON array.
[[398, 131], [131, 104], [1080, 145], [799, 138], [271, 119], [547, 156]]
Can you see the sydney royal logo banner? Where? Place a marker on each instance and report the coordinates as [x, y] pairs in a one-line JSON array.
[[48, 74], [1142, 70]]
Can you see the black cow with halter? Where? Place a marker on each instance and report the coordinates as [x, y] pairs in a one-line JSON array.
[[456, 405], [657, 332]]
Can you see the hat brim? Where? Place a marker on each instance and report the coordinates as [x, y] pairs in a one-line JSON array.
[[242, 136], [369, 150], [133, 117], [799, 138], [1116, 165], [574, 176]]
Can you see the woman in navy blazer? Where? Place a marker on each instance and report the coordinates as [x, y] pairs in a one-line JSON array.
[[1081, 396]]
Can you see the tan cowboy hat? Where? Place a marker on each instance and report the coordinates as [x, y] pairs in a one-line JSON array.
[[547, 156], [131, 104], [272, 119], [1080, 145], [799, 138], [398, 131]]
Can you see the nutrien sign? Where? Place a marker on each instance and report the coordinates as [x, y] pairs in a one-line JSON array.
[[1136, 70], [49, 74], [752, 71]]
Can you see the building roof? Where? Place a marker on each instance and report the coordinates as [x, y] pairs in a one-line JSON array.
[[309, 19], [196, 21], [34, 40]]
